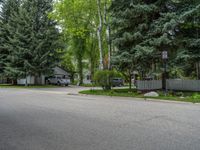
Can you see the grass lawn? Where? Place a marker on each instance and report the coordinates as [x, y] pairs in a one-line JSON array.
[[188, 96], [89, 85], [93, 85], [31, 86]]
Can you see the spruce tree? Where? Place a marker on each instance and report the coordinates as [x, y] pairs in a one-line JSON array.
[[190, 37], [143, 29], [46, 37], [7, 8], [131, 21], [32, 40], [19, 41]]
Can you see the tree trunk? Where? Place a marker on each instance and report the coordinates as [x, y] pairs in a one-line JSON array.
[[80, 49], [35, 79], [198, 70], [92, 58], [26, 84], [80, 70], [72, 77], [130, 80], [14, 81], [109, 48], [92, 71], [38, 79], [108, 32], [99, 34]]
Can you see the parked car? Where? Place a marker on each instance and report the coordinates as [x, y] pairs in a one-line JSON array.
[[58, 81], [148, 78], [117, 82]]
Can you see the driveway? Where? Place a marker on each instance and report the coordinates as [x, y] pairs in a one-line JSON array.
[[51, 119]]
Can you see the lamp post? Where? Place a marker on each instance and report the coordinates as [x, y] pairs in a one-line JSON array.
[[164, 77]]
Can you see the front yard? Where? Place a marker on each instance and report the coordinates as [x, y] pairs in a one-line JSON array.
[[193, 97]]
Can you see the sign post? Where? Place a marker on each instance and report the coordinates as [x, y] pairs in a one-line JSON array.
[[164, 77]]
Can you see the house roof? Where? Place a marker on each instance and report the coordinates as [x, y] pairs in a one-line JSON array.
[[59, 71]]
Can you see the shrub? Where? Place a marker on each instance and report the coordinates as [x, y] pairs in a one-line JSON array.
[[179, 94], [196, 96], [104, 78]]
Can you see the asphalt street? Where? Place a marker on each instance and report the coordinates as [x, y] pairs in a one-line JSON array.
[[59, 119]]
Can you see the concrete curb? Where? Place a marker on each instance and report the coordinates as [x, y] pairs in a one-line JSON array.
[[139, 99]]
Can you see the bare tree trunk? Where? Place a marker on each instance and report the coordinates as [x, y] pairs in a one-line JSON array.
[[80, 70], [130, 80], [198, 70], [99, 34], [109, 47], [92, 58], [26, 83], [38, 79], [109, 55], [108, 32], [14, 81]]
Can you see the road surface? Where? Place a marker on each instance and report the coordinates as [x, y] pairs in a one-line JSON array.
[[51, 119]]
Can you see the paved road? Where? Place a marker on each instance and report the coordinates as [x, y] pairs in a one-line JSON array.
[[52, 120]]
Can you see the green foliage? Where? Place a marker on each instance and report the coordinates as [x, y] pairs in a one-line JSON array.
[[196, 96], [143, 29], [77, 19], [7, 8], [104, 78], [32, 39], [68, 65], [131, 22]]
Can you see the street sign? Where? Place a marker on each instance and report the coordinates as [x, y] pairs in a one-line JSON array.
[[164, 55]]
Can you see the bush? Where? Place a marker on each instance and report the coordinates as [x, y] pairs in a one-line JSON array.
[[75, 82], [196, 96], [179, 94], [104, 78]]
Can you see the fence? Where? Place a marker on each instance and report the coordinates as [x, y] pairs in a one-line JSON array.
[[181, 85], [149, 85], [3, 80]]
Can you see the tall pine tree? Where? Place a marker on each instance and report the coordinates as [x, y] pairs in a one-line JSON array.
[[7, 8], [46, 37], [32, 40], [131, 22], [145, 28]]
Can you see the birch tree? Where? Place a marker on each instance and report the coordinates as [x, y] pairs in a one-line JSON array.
[[99, 34], [102, 28]]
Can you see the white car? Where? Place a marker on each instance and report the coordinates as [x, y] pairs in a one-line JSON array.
[[58, 81]]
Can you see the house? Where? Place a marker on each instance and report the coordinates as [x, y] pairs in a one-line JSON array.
[[30, 80], [59, 72], [3, 80]]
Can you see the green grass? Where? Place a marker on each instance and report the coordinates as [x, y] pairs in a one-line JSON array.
[[89, 85], [31, 86], [188, 96]]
